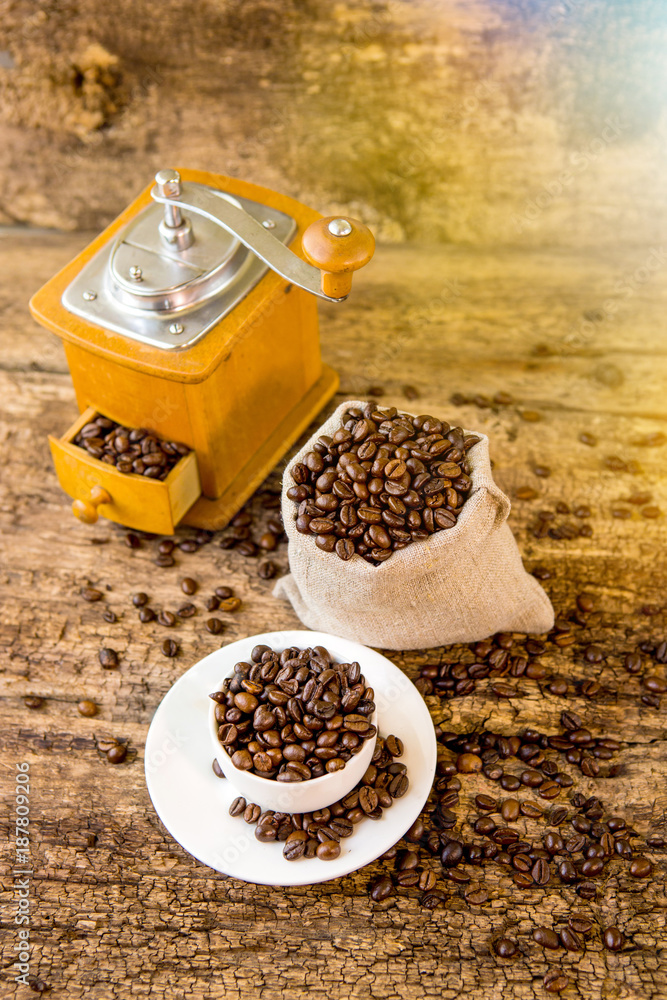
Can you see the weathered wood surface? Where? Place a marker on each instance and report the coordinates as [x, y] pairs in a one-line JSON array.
[[469, 121], [118, 908]]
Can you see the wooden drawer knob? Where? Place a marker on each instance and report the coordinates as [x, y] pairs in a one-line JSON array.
[[86, 510], [338, 247]]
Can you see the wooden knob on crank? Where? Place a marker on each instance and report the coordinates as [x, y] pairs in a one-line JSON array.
[[338, 247], [86, 510]]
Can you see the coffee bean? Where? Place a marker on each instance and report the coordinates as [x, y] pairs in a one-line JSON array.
[[546, 938], [229, 604], [381, 889], [164, 561], [556, 981], [87, 708], [431, 900], [188, 585], [108, 658], [214, 626], [295, 845], [510, 810], [139, 600], [505, 948], [117, 754], [217, 770], [147, 615], [452, 854], [613, 939], [468, 763], [238, 806], [541, 873], [167, 619], [91, 595], [640, 868], [476, 895], [328, 850], [169, 647], [570, 939], [33, 701]]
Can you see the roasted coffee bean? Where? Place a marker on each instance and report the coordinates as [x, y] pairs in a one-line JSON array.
[[214, 626], [91, 594], [431, 900], [541, 873], [117, 754], [188, 586], [166, 618], [228, 604], [169, 647], [165, 561], [570, 939], [546, 937], [140, 599], [510, 810], [556, 981], [108, 658], [217, 770], [147, 615], [238, 806], [613, 939], [33, 701], [87, 708], [640, 868], [328, 850], [476, 895], [468, 763], [505, 948], [186, 611]]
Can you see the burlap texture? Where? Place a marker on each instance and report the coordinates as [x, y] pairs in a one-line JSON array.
[[459, 585]]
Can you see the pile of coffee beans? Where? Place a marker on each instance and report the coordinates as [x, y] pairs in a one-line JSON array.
[[318, 834], [382, 481], [136, 451], [294, 715]]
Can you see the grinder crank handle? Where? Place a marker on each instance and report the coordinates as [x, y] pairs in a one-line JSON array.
[[86, 510], [335, 246]]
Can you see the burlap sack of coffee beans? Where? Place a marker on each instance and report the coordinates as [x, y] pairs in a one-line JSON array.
[[458, 585]]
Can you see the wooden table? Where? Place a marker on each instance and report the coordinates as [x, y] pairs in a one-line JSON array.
[[118, 909]]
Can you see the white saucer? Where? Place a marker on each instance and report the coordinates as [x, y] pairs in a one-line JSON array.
[[194, 804]]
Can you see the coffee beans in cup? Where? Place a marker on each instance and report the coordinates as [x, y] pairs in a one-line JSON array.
[[293, 715], [383, 480]]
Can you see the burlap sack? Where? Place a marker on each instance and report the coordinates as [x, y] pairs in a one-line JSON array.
[[459, 585]]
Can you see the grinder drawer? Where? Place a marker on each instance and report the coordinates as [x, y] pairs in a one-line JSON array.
[[133, 500]]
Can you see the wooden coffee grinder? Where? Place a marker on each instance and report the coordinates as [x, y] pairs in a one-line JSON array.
[[194, 316]]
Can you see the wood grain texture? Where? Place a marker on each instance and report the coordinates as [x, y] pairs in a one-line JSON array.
[[119, 909], [467, 121]]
